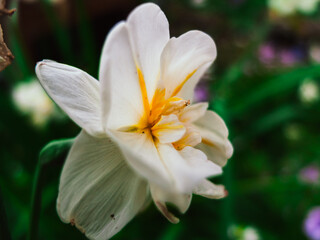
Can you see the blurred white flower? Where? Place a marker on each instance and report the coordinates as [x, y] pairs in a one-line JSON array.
[[288, 7], [250, 233], [307, 6], [31, 99], [140, 135], [314, 53], [199, 3], [309, 91], [238, 232]]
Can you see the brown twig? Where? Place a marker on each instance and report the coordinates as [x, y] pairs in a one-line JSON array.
[[4, 11]]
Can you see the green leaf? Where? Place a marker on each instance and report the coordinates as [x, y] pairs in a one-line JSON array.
[[275, 118], [52, 153], [274, 86]]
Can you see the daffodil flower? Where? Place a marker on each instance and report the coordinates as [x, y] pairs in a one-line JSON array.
[[141, 137]]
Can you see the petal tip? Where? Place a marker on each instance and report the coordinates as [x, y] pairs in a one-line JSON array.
[[226, 193], [164, 210], [145, 7]]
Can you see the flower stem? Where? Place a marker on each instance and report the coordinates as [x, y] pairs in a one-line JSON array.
[[52, 154]]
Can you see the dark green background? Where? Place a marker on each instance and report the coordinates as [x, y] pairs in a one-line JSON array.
[[259, 103]]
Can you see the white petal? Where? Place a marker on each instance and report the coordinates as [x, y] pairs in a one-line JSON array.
[[181, 59], [168, 129], [161, 197], [198, 161], [162, 164], [181, 201], [143, 156], [209, 190], [164, 210], [188, 166], [149, 33], [122, 102], [191, 139], [76, 92], [193, 112], [214, 135], [98, 191], [187, 91]]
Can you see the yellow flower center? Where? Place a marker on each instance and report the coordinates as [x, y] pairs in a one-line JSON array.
[[161, 116]]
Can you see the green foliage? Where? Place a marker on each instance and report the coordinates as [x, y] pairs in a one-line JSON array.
[[275, 134], [49, 156]]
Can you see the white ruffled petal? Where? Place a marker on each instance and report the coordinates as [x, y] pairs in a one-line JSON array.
[[181, 60], [188, 166], [214, 135], [76, 92], [168, 129], [209, 190], [98, 192], [188, 89], [143, 156], [161, 197], [193, 112]]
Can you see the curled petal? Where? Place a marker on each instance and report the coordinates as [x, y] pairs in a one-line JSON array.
[[214, 135], [162, 165], [217, 153], [76, 92], [193, 112], [98, 192], [143, 156], [168, 129], [183, 58], [209, 190], [191, 138], [188, 89], [164, 210], [188, 166], [161, 197], [181, 201]]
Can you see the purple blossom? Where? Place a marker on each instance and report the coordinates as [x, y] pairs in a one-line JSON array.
[[287, 57], [267, 53], [201, 93], [310, 174], [312, 224], [270, 54]]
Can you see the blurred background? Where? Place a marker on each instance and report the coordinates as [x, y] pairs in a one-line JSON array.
[[264, 83]]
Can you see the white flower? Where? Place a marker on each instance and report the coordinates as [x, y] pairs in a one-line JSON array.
[[250, 233], [288, 7], [30, 99], [309, 91], [140, 135]]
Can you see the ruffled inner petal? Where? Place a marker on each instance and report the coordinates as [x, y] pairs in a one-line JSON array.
[[168, 129], [214, 135], [182, 58], [161, 197]]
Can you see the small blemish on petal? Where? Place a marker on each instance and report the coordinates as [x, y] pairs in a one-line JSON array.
[[72, 222]]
